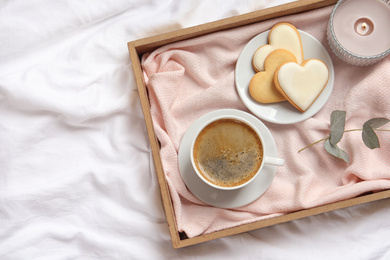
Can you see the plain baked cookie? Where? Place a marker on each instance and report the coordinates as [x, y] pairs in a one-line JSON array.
[[281, 36], [261, 86], [301, 84]]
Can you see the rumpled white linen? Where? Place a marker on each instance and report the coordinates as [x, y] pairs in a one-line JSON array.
[[76, 176]]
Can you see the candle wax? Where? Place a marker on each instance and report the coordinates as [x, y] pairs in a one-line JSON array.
[[364, 27], [348, 26]]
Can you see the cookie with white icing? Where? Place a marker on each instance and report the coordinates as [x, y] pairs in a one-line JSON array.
[[281, 36], [301, 84]]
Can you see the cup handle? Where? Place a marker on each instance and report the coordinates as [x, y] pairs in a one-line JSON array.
[[274, 161]]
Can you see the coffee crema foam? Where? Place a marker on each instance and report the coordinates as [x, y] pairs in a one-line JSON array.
[[228, 152]]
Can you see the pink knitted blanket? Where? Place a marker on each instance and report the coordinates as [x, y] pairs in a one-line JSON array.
[[190, 78]]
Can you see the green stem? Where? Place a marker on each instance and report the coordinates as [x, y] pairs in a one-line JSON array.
[[323, 139], [350, 130]]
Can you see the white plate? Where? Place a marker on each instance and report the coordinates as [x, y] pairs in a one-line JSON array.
[[281, 112], [226, 198]]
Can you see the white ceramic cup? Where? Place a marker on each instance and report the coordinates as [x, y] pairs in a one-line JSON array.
[[267, 160]]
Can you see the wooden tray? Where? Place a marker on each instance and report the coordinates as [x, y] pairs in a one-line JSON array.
[[139, 47]]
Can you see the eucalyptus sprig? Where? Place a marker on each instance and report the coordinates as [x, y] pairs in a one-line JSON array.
[[337, 130]]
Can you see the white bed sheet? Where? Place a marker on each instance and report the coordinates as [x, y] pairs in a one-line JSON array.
[[76, 176]]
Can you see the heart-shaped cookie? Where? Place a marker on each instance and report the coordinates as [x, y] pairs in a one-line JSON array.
[[301, 84], [261, 86], [281, 36]]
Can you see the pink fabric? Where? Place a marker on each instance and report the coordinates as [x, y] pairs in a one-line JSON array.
[[191, 78]]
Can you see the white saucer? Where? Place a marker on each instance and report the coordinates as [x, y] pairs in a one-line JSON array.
[[281, 112], [226, 198]]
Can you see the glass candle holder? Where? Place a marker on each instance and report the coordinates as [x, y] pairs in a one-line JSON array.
[[359, 31]]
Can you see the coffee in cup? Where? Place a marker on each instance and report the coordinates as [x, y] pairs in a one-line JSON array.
[[228, 152]]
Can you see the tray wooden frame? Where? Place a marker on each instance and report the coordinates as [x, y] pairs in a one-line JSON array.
[[141, 46]]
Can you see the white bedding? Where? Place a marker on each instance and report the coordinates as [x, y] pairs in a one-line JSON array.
[[76, 176]]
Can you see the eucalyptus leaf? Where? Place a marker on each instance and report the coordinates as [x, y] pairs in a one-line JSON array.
[[377, 122], [369, 137], [337, 125], [336, 151]]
